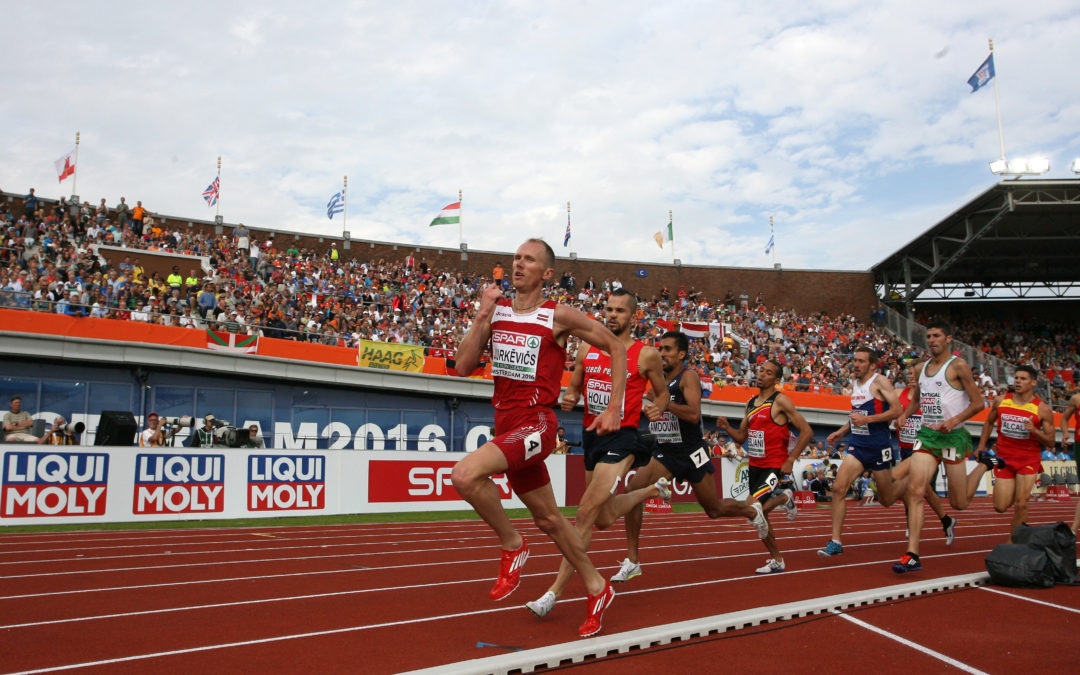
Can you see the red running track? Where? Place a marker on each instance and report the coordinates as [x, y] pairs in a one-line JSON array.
[[396, 597]]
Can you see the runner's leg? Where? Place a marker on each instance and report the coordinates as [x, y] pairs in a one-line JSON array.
[[472, 479]]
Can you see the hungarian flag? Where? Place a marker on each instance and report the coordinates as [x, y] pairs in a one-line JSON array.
[[65, 166], [450, 215], [231, 342]]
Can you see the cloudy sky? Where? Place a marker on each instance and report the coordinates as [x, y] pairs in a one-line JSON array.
[[849, 122]]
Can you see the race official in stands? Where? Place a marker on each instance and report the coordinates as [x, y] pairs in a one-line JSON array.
[[204, 435]]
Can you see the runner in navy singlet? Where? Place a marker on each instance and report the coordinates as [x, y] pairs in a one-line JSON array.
[[680, 451]]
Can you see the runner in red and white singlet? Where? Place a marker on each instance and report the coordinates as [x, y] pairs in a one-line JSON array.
[[527, 337], [1024, 425], [608, 457]]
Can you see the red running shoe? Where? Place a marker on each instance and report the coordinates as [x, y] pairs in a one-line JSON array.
[[597, 604], [510, 571]]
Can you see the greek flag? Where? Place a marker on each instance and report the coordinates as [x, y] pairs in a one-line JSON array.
[[769, 246], [335, 205]]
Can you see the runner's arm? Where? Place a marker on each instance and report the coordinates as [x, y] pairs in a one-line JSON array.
[[806, 434], [887, 392], [963, 373], [652, 368], [595, 333], [1044, 433], [467, 356], [573, 390], [1070, 410], [988, 425], [690, 411]]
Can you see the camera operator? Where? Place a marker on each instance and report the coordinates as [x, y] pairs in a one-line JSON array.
[[254, 439], [203, 437], [153, 436], [61, 433]]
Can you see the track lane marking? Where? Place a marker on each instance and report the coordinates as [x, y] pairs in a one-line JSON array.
[[911, 645], [1037, 602]]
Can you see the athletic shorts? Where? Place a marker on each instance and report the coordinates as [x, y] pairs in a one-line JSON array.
[[951, 448], [763, 481], [612, 448], [688, 465], [526, 437], [1019, 466], [1076, 454], [880, 459], [904, 453]]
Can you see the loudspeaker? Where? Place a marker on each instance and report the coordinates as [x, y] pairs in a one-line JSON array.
[[116, 427]]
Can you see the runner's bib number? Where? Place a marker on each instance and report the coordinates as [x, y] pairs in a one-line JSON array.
[[932, 410], [755, 443], [699, 457], [666, 429]]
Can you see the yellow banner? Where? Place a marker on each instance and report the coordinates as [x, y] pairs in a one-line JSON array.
[[389, 356]]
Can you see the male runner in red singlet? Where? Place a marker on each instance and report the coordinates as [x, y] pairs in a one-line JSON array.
[[907, 435], [765, 432], [680, 451], [609, 457], [1072, 411], [1024, 425], [528, 351]]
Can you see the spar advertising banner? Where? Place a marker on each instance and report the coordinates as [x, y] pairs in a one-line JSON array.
[[41, 484]]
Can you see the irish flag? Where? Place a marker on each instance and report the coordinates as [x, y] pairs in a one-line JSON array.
[[231, 342], [450, 215]]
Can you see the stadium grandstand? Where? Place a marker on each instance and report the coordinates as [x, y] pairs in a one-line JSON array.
[[1013, 243]]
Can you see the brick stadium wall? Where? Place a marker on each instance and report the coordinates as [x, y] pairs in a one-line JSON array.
[[805, 291]]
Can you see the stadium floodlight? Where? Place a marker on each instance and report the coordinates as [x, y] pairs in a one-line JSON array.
[[1076, 165], [1035, 166]]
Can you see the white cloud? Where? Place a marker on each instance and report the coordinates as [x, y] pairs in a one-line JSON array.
[[821, 115]]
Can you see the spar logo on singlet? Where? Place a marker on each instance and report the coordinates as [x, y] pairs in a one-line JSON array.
[[932, 410], [54, 484], [514, 355], [666, 429], [911, 429], [1014, 426], [179, 483], [286, 482]]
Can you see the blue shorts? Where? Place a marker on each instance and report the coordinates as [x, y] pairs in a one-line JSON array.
[[874, 459], [612, 448], [904, 454]]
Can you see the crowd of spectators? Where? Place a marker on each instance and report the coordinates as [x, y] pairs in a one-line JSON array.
[[48, 262]]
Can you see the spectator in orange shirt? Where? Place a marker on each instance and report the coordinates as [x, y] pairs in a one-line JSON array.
[[137, 216], [497, 275]]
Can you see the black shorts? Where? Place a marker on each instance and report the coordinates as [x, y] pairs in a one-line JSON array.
[[688, 465], [610, 448], [763, 481]]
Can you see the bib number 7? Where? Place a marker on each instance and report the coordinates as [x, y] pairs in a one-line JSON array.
[[699, 458]]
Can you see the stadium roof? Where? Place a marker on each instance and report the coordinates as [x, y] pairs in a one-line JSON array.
[[1019, 239]]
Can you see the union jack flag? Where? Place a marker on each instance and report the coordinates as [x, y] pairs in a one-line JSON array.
[[210, 194]]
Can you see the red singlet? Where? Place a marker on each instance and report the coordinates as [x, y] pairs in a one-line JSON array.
[[526, 359], [766, 441], [597, 385]]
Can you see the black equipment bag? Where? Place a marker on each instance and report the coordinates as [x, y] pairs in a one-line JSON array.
[[1039, 557]]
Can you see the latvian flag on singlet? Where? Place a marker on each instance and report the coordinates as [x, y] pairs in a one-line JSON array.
[[450, 215], [231, 342]]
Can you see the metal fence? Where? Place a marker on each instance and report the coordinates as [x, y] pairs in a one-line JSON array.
[[1000, 371]]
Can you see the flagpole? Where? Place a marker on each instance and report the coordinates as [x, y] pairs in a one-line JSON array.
[[997, 103], [460, 238], [344, 206], [217, 202], [772, 240], [671, 235], [75, 169]]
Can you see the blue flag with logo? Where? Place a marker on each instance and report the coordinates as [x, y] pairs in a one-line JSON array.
[[983, 75]]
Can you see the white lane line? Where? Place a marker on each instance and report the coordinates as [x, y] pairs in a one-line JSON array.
[[358, 554], [487, 579], [1037, 602], [912, 645]]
